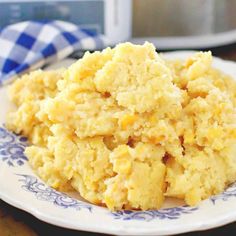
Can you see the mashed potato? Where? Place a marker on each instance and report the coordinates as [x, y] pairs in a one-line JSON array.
[[126, 128]]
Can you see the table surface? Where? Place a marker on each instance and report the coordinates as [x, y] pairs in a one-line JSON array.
[[14, 222]]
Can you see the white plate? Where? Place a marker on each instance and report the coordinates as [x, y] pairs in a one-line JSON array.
[[20, 187]]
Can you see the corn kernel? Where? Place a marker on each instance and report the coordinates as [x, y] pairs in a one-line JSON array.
[[128, 120]]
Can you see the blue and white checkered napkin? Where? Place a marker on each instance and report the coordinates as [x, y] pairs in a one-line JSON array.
[[31, 44]]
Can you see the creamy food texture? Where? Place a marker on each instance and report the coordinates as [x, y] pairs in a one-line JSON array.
[[126, 128]]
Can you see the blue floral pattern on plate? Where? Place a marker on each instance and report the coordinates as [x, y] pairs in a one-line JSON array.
[[45, 193], [12, 152], [12, 148], [167, 213], [230, 192]]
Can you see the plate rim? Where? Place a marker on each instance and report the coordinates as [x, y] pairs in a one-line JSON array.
[[195, 226]]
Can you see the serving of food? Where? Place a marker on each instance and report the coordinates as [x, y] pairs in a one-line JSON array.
[[127, 128]]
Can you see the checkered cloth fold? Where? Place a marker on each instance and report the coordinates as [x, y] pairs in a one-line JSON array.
[[32, 44]]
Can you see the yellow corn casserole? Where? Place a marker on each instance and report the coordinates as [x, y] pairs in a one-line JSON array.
[[126, 128]]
